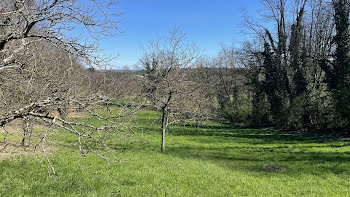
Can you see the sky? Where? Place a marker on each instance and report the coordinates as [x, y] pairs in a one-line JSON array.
[[207, 23]]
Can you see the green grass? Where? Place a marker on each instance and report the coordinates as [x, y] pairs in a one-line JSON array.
[[220, 160]]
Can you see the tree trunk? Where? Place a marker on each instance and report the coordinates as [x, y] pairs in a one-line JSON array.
[[163, 140], [197, 127], [25, 127], [164, 126]]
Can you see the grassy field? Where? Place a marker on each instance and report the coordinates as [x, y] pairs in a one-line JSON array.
[[220, 160]]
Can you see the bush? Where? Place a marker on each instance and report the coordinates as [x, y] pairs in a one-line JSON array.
[[239, 111]]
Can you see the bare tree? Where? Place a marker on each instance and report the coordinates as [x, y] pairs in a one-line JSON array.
[[201, 104], [165, 62], [232, 91], [43, 62]]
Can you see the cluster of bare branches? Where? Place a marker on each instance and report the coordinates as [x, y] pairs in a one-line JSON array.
[[24, 22], [44, 56], [165, 81], [177, 82]]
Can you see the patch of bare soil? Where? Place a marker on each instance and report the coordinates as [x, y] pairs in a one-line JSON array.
[[14, 126], [74, 114], [11, 137], [275, 168], [13, 150], [71, 114], [8, 151]]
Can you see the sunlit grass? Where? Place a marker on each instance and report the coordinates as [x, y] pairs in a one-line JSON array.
[[220, 160]]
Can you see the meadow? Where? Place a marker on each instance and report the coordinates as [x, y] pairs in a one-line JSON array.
[[219, 160]]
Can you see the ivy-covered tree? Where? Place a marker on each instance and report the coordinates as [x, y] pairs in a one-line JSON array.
[[338, 71], [297, 55], [275, 84]]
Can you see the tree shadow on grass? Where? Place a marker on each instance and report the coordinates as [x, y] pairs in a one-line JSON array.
[[255, 159], [252, 149], [254, 136]]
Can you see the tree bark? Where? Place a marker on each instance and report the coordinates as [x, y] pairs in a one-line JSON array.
[[163, 139], [164, 125], [25, 127]]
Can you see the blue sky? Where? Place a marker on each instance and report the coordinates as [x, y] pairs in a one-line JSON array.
[[207, 23]]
